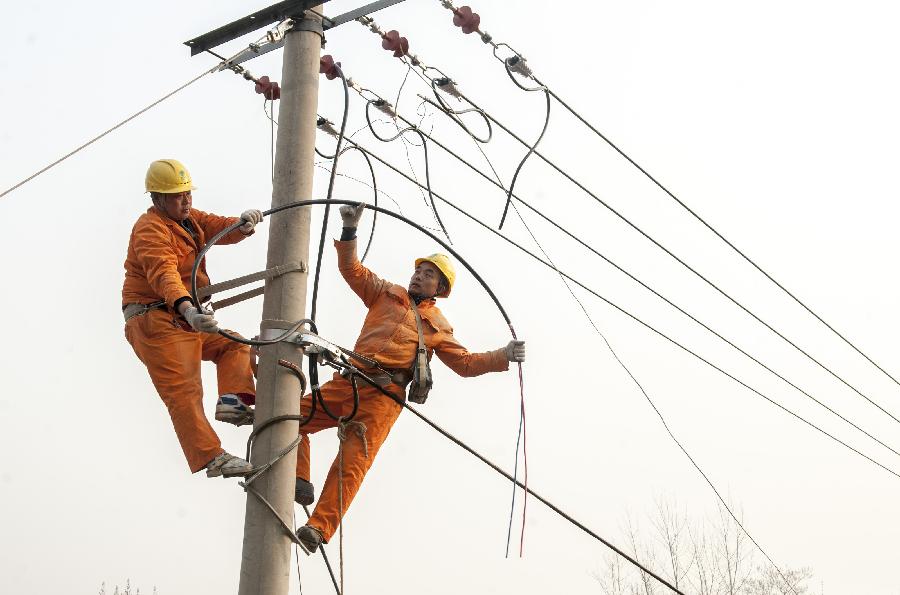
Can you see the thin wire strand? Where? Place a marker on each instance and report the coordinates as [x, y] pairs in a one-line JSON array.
[[105, 132], [649, 400]]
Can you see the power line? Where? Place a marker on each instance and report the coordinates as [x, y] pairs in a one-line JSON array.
[[719, 235], [107, 131], [645, 285], [683, 263], [632, 316]]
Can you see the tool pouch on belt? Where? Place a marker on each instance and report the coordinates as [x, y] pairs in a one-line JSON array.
[[421, 378]]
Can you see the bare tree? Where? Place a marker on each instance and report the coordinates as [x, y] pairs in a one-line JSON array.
[[706, 557], [768, 581], [670, 526]]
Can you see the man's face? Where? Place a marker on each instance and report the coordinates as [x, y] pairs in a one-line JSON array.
[[175, 206], [425, 280]]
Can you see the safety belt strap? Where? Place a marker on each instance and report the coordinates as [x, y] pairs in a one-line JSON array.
[[421, 384], [421, 349]]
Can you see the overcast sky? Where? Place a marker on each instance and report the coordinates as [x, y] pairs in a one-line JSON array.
[[775, 121]]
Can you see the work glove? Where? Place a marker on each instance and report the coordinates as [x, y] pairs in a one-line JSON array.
[[351, 215], [200, 320], [515, 351], [251, 218]]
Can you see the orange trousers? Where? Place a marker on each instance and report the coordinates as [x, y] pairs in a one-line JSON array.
[[172, 356], [377, 412]]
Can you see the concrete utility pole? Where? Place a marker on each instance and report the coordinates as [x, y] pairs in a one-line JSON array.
[[265, 565]]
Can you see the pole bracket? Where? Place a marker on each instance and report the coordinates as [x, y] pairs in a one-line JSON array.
[[266, 275]]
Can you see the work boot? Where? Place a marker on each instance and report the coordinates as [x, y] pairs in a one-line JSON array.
[[310, 538], [231, 409], [303, 492], [227, 465]]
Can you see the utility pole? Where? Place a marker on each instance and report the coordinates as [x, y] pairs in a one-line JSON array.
[[265, 564]]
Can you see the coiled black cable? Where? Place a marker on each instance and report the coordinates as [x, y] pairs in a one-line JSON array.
[[325, 201]]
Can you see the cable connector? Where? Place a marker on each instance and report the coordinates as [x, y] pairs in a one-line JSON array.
[[393, 42], [447, 85], [518, 65], [329, 67], [385, 107], [464, 18], [326, 126]]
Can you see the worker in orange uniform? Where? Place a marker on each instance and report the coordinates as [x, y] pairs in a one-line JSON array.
[[169, 332], [390, 336]]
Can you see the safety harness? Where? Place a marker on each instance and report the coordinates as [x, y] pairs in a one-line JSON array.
[[421, 380]]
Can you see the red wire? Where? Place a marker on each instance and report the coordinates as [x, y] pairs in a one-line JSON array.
[[524, 459], [524, 448]]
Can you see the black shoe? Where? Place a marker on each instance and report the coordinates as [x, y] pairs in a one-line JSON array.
[[303, 492], [310, 538]]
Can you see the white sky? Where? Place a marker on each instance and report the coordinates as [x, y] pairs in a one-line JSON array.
[[775, 121]]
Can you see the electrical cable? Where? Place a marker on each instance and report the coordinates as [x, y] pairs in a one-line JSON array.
[[689, 267], [106, 132], [454, 114], [647, 287], [717, 233], [531, 148], [337, 154], [638, 320], [337, 589], [652, 404], [530, 491]]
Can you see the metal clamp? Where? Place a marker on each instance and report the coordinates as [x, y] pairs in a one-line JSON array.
[[308, 23]]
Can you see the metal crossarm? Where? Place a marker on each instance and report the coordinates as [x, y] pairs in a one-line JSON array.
[[248, 24], [236, 299], [267, 274]]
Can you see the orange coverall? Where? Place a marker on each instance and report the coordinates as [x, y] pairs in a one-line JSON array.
[[161, 254], [389, 336]]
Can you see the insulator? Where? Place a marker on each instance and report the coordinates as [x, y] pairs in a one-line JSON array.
[[392, 42], [329, 67], [518, 65], [465, 18], [268, 89], [446, 85]]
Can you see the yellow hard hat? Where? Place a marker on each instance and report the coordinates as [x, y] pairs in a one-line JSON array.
[[442, 262], [168, 176]]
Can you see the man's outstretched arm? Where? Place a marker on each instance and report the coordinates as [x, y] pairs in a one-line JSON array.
[[366, 284], [465, 363]]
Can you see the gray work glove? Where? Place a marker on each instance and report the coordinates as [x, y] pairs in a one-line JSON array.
[[351, 215], [251, 218], [515, 351], [200, 320]]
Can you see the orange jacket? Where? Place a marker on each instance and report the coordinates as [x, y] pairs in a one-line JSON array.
[[161, 255], [389, 332]]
